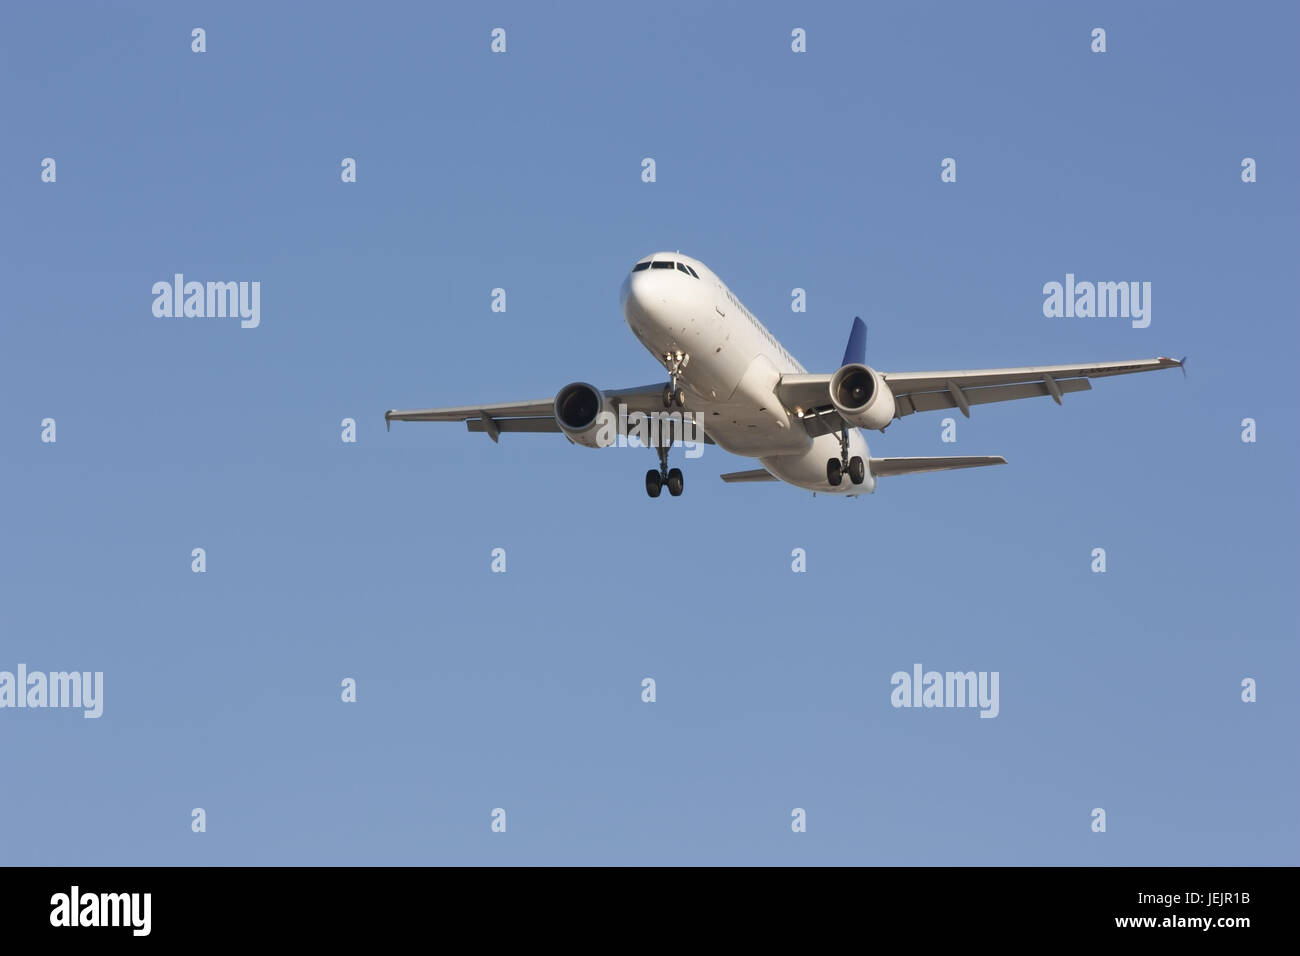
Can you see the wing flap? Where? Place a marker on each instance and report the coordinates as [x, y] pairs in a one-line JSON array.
[[931, 401], [514, 425]]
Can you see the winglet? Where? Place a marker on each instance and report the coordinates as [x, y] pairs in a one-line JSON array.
[[1182, 364], [388, 422], [856, 351]]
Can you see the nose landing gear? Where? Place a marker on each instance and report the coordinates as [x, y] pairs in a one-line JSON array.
[[676, 363], [837, 467]]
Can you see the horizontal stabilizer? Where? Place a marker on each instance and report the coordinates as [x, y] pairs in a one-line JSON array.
[[882, 467], [758, 474]]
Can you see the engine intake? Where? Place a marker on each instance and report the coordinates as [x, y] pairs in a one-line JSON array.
[[585, 415], [862, 397]]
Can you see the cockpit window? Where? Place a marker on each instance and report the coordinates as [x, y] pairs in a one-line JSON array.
[[666, 264]]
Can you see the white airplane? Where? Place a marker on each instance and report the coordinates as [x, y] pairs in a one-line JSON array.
[[751, 397]]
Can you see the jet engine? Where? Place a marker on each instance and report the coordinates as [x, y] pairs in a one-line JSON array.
[[862, 396], [586, 416]]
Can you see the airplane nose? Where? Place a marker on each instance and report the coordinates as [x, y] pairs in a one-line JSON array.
[[634, 298], [664, 305], [647, 295]]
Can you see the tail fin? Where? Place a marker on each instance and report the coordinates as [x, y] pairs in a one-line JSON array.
[[856, 351]]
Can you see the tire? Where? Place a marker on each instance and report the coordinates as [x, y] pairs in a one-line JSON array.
[[653, 483], [668, 396], [857, 470], [681, 398], [675, 482], [834, 473]]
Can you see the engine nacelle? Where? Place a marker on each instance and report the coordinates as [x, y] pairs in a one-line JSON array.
[[583, 413], [862, 396]]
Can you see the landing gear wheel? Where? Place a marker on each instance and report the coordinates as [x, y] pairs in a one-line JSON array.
[[857, 470], [655, 480], [834, 473], [674, 396]]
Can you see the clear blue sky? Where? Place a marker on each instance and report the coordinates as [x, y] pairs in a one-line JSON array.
[[522, 690]]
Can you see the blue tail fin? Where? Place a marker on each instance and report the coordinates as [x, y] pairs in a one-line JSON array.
[[856, 350]]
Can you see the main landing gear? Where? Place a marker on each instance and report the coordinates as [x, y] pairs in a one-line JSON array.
[[672, 477], [837, 467], [655, 480]]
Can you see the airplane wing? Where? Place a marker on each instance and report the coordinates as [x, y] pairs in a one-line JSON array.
[[809, 395], [537, 415]]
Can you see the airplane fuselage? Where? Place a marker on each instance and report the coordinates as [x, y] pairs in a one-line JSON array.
[[733, 369]]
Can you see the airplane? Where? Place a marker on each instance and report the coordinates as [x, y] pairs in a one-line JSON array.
[[751, 397]]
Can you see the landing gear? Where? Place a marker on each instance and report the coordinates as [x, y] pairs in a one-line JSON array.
[[672, 397], [836, 467], [676, 363], [672, 477]]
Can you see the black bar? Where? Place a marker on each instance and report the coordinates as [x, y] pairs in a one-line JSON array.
[[979, 906]]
